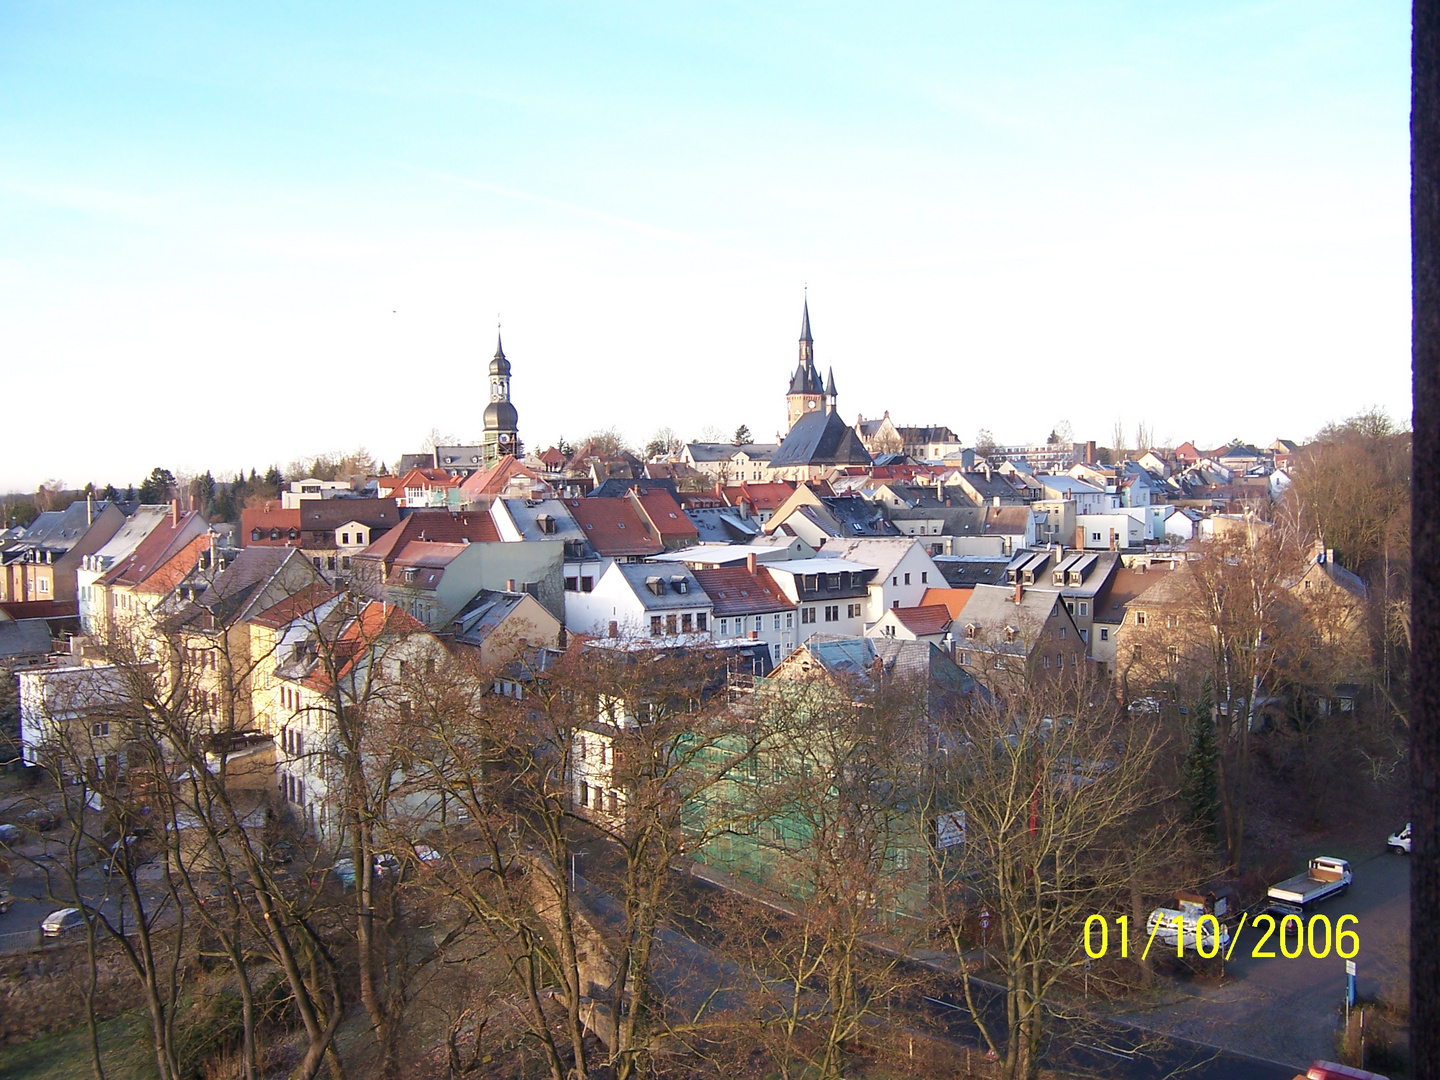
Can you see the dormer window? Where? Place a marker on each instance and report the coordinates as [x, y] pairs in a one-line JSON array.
[[293, 534], [656, 585], [971, 630], [1011, 633], [255, 534]]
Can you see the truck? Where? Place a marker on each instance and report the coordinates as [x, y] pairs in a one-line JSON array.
[[1325, 877]]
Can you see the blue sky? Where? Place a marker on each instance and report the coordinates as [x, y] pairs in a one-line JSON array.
[[236, 236]]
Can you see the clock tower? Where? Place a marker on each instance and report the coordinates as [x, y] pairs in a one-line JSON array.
[[501, 438], [807, 391]]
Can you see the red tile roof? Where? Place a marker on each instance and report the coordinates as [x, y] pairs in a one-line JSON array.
[[168, 552], [735, 591], [923, 621], [269, 516], [760, 496], [417, 478], [296, 606], [953, 600], [614, 527], [671, 523], [440, 526], [376, 621], [494, 480]]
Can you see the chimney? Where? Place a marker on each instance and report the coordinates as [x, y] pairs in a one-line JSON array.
[[510, 584], [89, 508], [1019, 591], [750, 562], [614, 629], [1090, 454], [174, 513], [1329, 555]]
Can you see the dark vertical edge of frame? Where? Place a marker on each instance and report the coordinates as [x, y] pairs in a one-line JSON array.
[[1425, 537]]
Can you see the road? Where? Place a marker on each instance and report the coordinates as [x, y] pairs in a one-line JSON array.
[[1287, 1009], [20, 926]]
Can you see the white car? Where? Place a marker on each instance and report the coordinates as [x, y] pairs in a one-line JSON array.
[[62, 922], [1399, 842], [1162, 924]]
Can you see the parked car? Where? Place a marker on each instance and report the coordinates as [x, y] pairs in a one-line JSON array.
[[11, 834], [1399, 842], [62, 922]]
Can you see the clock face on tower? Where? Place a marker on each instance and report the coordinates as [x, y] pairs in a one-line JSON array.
[[811, 403]]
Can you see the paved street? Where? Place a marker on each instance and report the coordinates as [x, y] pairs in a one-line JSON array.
[[1285, 1009]]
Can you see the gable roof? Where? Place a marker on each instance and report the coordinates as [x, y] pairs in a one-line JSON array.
[[671, 586], [953, 600], [296, 606], [168, 552], [614, 527], [883, 553], [923, 621], [496, 479], [659, 507], [440, 526]]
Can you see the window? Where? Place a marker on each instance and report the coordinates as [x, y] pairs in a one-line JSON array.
[[701, 621], [1084, 608], [1062, 631], [345, 539], [654, 625], [965, 658], [1137, 653], [344, 562], [832, 612], [724, 627], [572, 584], [587, 584], [1139, 618], [895, 580], [777, 620], [316, 561], [330, 562], [405, 710], [1104, 633], [1095, 536], [1060, 661], [907, 579], [255, 534], [853, 611], [924, 576], [789, 620], [671, 625], [1070, 607], [299, 741], [687, 623], [430, 666], [584, 793], [807, 615], [1044, 661], [100, 730], [1174, 654]]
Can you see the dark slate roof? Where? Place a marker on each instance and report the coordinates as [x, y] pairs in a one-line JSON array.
[[60, 530], [821, 438], [24, 637], [614, 487], [962, 570], [806, 379]]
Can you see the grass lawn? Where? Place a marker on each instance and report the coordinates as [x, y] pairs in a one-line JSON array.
[[124, 1048]]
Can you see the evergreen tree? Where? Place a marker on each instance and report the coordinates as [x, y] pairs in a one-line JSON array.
[[158, 486], [130, 493], [110, 493], [1198, 785], [743, 436], [273, 480], [223, 506]]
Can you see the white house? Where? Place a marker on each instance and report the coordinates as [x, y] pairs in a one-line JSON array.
[[831, 596], [1110, 532], [642, 600], [904, 570]]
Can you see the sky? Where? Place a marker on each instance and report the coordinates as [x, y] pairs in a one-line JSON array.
[[239, 235]]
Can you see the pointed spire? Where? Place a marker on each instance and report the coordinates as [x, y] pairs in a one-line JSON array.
[[805, 322], [830, 385], [499, 348]]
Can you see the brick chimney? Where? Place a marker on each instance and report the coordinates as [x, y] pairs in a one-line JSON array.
[[174, 513], [1019, 591], [750, 562]]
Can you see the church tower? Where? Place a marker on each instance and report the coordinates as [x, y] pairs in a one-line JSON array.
[[501, 436], [807, 390]]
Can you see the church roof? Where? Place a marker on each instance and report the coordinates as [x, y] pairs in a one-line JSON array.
[[820, 438], [806, 379]]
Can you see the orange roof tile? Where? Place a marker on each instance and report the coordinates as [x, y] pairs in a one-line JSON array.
[[923, 621], [953, 600], [614, 526]]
